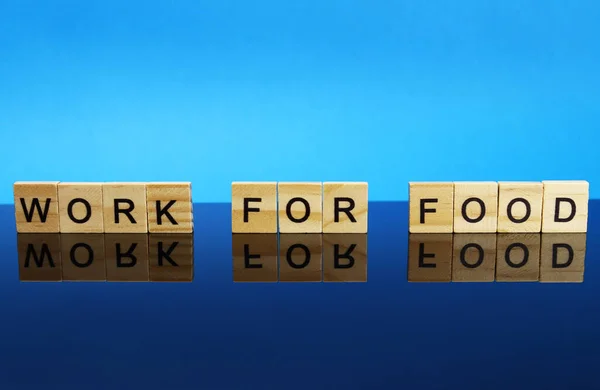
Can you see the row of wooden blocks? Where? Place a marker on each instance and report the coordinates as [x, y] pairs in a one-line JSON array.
[[271, 207], [53, 207], [505, 257], [504, 207]]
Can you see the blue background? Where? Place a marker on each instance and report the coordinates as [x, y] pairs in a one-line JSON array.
[[382, 91]]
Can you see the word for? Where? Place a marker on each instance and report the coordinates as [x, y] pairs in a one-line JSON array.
[[53, 207], [547, 257], [299, 257], [270, 207], [106, 257], [505, 207]]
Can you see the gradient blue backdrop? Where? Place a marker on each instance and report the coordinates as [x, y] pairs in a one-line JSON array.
[[382, 91]]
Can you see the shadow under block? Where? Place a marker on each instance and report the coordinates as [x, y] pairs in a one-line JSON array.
[[80, 207], [475, 207], [169, 207], [562, 257], [300, 207], [39, 257], [430, 257], [565, 207], [254, 207], [345, 257], [83, 257], [254, 257], [171, 257], [520, 207], [36, 207], [126, 257], [431, 207], [345, 207], [124, 208], [474, 257], [518, 258], [300, 257]]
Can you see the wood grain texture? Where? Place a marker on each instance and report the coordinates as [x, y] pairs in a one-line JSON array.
[[36, 207], [254, 257], [430, 257], [520, 207], [345, 257], [438, 207], [129, 197], [126, 257], [83, 257], [80, 207], [300, 257], [261, 200], [353, 196], [562, 257], [171, 257], [471, 196], [169, 207], [303, 202], [474, 257], [575, 191], [518, 257], [39, 257]]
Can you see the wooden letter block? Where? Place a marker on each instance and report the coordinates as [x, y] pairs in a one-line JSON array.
[[300, 258], [254, 207], [124, 207], [169, 207], [475, 207], [126, 257], [562, 258], [345, 257], [431, 207], [36, 207], [430, 257], [80, 207], [565, 206], [300, 207], [83, 257], [39, 257], [254, 257], [520, 207], [345, 207], [518, 258], [171, 257], [474, 257]]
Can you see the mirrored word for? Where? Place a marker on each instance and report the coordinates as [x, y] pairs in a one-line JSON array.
[[546, 257], [106, 257], [299, 257]]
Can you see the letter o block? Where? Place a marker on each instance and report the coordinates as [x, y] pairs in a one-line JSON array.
[[520, 207], [300, 207], [565, 207], [475, 207], [80, 207], [254, 207]]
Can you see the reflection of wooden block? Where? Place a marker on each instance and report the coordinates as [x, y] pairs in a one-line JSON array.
[[124, 206], [171, 257], [80, 207], [254, 207], [431, 207], [36, 207], [563, 257], [254, 257], [83, 257], [345, 207], [169, 207], [430, 257], [345, 257], [39, 257], [300, 207], [518, 258], [300, 257], [474, 258], [565, 206], [520, 207], [126, 257], [475, 207]]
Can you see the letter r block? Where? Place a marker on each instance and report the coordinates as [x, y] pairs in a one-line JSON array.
[[124, 207], [431, 207], [169, 207], [254, 207], [80, 207], [345, 207], [565, 208], [36, 207], [300, 207]]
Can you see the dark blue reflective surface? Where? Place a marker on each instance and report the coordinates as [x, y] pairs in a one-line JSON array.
[[216, 334]]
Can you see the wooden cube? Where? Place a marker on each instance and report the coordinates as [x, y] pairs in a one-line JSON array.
[[39, 257], [124, 208], [520, 207], [300, 207], [36, 207], [474, 258], [518, 257], [345, 257], [345, 207], [169, 207], [300, 257], [562, 257], [80, 207], [565, 207], [254, 257], [83, 257], [171, 257], [254, 207], [126, 257], [431, 207], [475, 207], [430, 257]]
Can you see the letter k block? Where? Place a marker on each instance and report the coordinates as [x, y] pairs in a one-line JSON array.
[[169, 207]]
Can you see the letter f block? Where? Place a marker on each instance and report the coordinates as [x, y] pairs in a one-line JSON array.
[[431, 207], [254, 207]]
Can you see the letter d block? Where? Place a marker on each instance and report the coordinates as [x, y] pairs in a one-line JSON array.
[[124, 207], [169, 207], [345, 207], [431, 207], [254, 207], [36, 207], [565, 207], [80, 207]]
